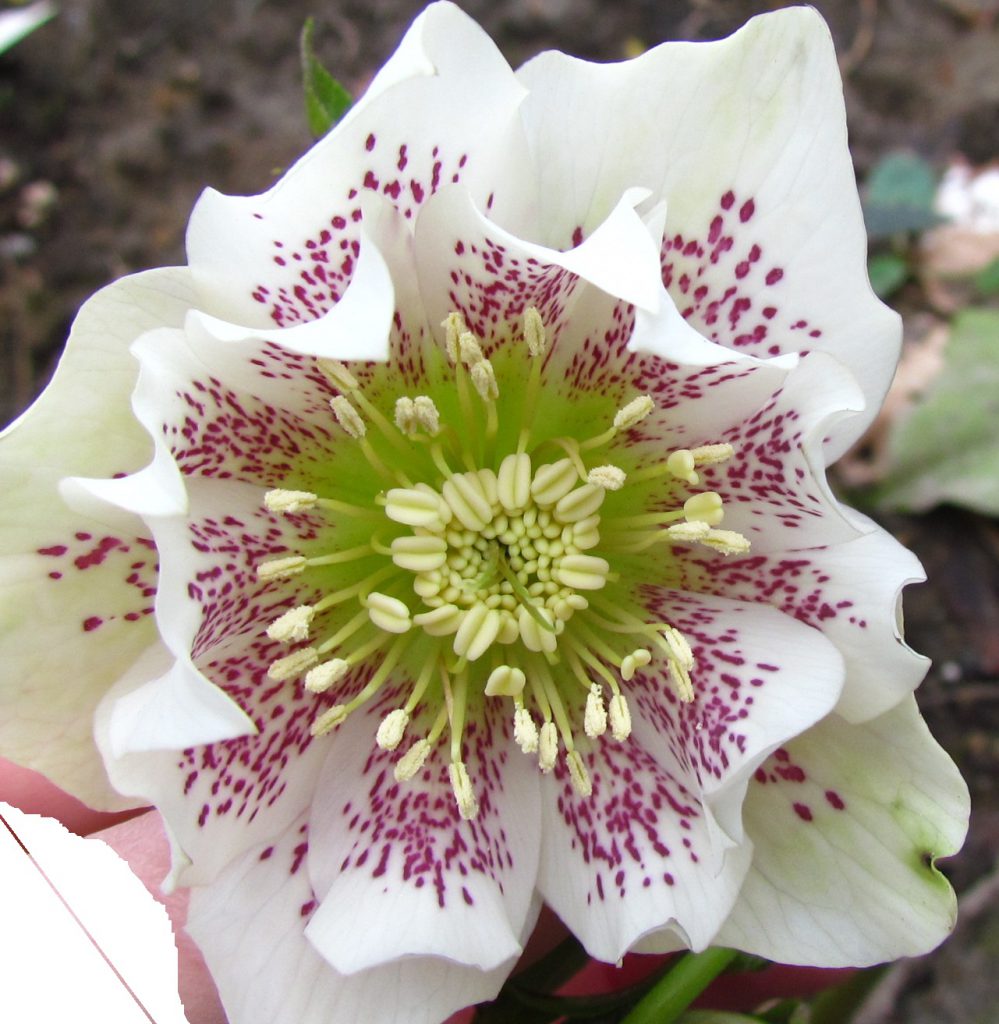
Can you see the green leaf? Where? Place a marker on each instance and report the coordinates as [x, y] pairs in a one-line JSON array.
[[987, 279], [888, 273], [326, 100], [899, 196], [945, 449]]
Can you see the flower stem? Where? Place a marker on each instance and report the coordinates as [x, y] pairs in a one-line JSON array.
[[684, 983]]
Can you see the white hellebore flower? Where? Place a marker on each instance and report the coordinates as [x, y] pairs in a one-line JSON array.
[[452, 534]]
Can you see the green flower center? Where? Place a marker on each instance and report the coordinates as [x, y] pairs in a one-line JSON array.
[[489, 556]]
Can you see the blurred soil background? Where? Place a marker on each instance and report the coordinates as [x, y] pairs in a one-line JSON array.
[[117, 113]]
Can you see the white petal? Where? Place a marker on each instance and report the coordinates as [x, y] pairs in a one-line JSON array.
[[220, 798], [636, 857], [250, 926], [759, 677], [746, 140], [660, 844], [849, 591], [444, 109], [774, 488], [470, 264], [396, 870], [847, 823], [77, 590]]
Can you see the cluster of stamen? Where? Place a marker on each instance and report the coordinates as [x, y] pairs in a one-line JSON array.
[[496, 565]]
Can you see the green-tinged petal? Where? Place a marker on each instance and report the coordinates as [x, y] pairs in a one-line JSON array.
[[77, 590], [848, 821]]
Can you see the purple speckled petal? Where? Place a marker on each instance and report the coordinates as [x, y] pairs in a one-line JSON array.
[[396, 870], [774, 489], [765, 247], [661, 839], [251, 925], [468, 264], [443, 110], [850, 591], [847, 821]]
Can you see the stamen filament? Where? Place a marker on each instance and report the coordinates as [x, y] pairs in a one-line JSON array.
[[374, 684], [345, 632], [458, 706], [360, 587], [421, 684], [338, 557]]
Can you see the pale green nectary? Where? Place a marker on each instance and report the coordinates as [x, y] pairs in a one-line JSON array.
[[452, 535]]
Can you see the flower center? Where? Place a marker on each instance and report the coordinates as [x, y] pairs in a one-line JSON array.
[[500, 560]]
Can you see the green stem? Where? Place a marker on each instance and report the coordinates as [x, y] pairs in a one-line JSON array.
[[684, 983]]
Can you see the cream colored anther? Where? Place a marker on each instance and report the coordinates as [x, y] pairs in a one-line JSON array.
[[454, 327], [484, 380], [464, 795], [582, 572], [323, 677], [417, 506], [293, 625], [610, 478], [348, 417], [388, 613], [469, 349], [281, 568], [293, 664], [514, 482], [478, 629], [280, 500], [547, 747], [712, 454], [704, 508], [534, 332], [728, 542], [505, 681], [525, 732], [427, 415], [405, 416], [634, 412], [679, 649], [595, 716], [412, 761], [579, 503], [391, 729], [338, 374], [553, 481], [681, 681], [578, 773], [620, 717], [419, 553], [329, 720], [688, 533]]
